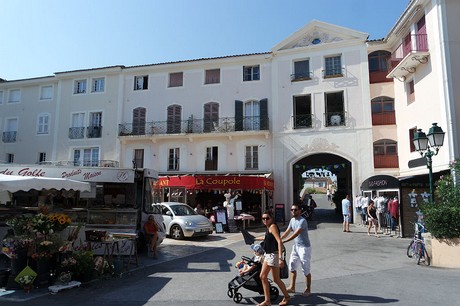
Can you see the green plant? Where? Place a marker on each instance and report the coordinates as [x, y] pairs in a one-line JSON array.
[[442, 218], [84, 263]]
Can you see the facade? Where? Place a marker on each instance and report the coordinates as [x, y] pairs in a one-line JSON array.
[[325, 96]]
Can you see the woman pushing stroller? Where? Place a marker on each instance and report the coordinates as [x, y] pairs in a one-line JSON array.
[[272, 260]]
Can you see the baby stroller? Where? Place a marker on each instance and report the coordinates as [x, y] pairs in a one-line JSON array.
[[249, 280]]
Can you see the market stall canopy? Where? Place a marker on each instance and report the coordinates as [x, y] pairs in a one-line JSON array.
[[13, 183]]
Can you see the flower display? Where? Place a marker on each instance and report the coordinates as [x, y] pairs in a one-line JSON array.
[[12, 245], [59, 221]]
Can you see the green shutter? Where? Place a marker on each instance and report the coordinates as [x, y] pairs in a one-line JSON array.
[[238, 115], [263, 114]]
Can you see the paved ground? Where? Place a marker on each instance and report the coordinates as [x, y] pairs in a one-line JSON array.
[[347, 269]]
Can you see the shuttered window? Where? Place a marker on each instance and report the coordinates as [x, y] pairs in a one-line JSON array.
[[212, 76], [174, 119], [139, 121]]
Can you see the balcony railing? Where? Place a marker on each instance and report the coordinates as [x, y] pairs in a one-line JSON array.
[[386, 118], [301, 76], [194, 126], [408, 55], [302, 121], [9, 136], [94, 131], [386, 161], [92, 163], [335, 119], [76, 132], [333, 73]]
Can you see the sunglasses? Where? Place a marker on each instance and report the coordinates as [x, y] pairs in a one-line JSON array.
[[266, 218], [294, 209]]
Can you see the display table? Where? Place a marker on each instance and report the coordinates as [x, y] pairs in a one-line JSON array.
[[244, 218], [132, 257], [108, 246]]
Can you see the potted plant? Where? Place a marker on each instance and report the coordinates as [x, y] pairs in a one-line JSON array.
[[442, 220], [84, 268]]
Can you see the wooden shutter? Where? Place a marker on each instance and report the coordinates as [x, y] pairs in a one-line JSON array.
[[139, 121], [238, 115], [263, 104]]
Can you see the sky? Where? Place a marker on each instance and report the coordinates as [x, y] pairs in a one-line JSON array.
[[39, 38]]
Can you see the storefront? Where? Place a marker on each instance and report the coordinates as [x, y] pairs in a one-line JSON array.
[[255, 192]]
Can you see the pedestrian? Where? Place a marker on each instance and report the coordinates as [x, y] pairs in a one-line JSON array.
[[272, 260], [328, 192], [372, 218], [301, 250], [346, 211], [312, 207]]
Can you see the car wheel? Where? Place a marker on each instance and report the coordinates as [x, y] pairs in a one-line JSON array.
[[176, 232]]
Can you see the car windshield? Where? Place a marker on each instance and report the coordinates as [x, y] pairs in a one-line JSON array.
[[182, 210]]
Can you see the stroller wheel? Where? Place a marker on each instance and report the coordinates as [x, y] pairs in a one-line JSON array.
[[230, 293], [274, 293], [238, 297]]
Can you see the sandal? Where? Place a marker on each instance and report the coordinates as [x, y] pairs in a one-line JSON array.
[[285, 301]]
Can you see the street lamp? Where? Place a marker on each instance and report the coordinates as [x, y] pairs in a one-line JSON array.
[[428, 146]]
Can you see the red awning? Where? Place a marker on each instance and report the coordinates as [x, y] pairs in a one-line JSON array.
[[243, 182]]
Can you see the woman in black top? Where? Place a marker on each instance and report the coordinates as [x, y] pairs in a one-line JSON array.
[[272, 260], [372, 218]]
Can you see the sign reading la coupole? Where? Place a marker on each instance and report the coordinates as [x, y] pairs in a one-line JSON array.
[[77, 173], [217, 182]]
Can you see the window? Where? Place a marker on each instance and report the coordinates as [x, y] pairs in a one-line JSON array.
[[211, 158], [79, 87], [212, 76], [9, 158], [46, 92], [98, 85], [141, 82], [176, 79], [95, 125], [302, 112], [173, 159], [43, 124], [77, 130], [139, 114], [335, 109], [410, 88], [378, 61], [173, 121], [383, 111], [41, 157], [251, 73], [333, 66], [138, 158], [252, 158], [1, 97], [301, 71], [385, 147], [87, 157], [11, 128], [14, 96], [411, 137], [211, 116], [252, 116]]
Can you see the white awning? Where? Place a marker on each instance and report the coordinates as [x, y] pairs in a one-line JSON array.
[[13, 183]]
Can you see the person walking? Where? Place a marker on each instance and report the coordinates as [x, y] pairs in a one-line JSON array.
[[272, 260], [372, 218], [346, 211], [301, 250]]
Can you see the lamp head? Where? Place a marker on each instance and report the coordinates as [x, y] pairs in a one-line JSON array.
[[436, 136], [420, 141]]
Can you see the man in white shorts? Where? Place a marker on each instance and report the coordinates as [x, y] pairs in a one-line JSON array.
[[301, 250]]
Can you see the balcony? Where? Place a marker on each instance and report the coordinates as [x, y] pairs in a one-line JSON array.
[[301, 76], [386, 161], [302, 121], [386, 118], [94, 131], [335, 119], [336, 72], [194, 126], [407, 56], [9, 136], [76, 132], [79, 163]]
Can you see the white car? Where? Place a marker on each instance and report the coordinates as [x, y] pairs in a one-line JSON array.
[[181, 221]]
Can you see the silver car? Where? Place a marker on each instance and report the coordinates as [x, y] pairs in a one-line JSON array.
[[182, 221]]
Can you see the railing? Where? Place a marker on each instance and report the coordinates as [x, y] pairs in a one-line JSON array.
[[76, 132], [417, 43], [92, 163], [94, 131], [335, 119], [333, 73], [194, 126], [386, 161], [302, 121], [385, 118], [301, 76], [9, 136]]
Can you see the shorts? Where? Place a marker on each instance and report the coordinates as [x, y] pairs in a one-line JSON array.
[[300, 256], [272, 259], [346, 218]]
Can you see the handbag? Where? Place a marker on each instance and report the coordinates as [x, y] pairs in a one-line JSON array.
[[284, 271]]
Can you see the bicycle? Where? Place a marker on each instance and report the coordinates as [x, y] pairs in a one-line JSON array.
[[416, 248]]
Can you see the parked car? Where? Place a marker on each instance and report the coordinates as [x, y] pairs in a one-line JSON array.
[[181, 221]]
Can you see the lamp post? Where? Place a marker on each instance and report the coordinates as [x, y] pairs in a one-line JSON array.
[[428, 146]]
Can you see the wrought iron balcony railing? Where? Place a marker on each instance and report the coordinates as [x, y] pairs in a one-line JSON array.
[[301, 76], [94, 131], [9, 136], [333, 73], [79, 163], [302, 121], [194, 126], [76, 132]]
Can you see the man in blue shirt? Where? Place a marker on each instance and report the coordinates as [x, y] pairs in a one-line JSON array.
[[301, 250], [346, 211]]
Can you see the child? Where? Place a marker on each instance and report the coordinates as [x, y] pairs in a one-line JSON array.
[[243, 267]]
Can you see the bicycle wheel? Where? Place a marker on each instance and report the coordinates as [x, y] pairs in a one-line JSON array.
[[425, 259], [410, 249], [419, 254]]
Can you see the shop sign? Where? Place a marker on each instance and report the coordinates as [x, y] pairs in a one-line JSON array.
[[216, 182], [380, 182]]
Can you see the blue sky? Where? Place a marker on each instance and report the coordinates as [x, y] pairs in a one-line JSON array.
[[42, 37]]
